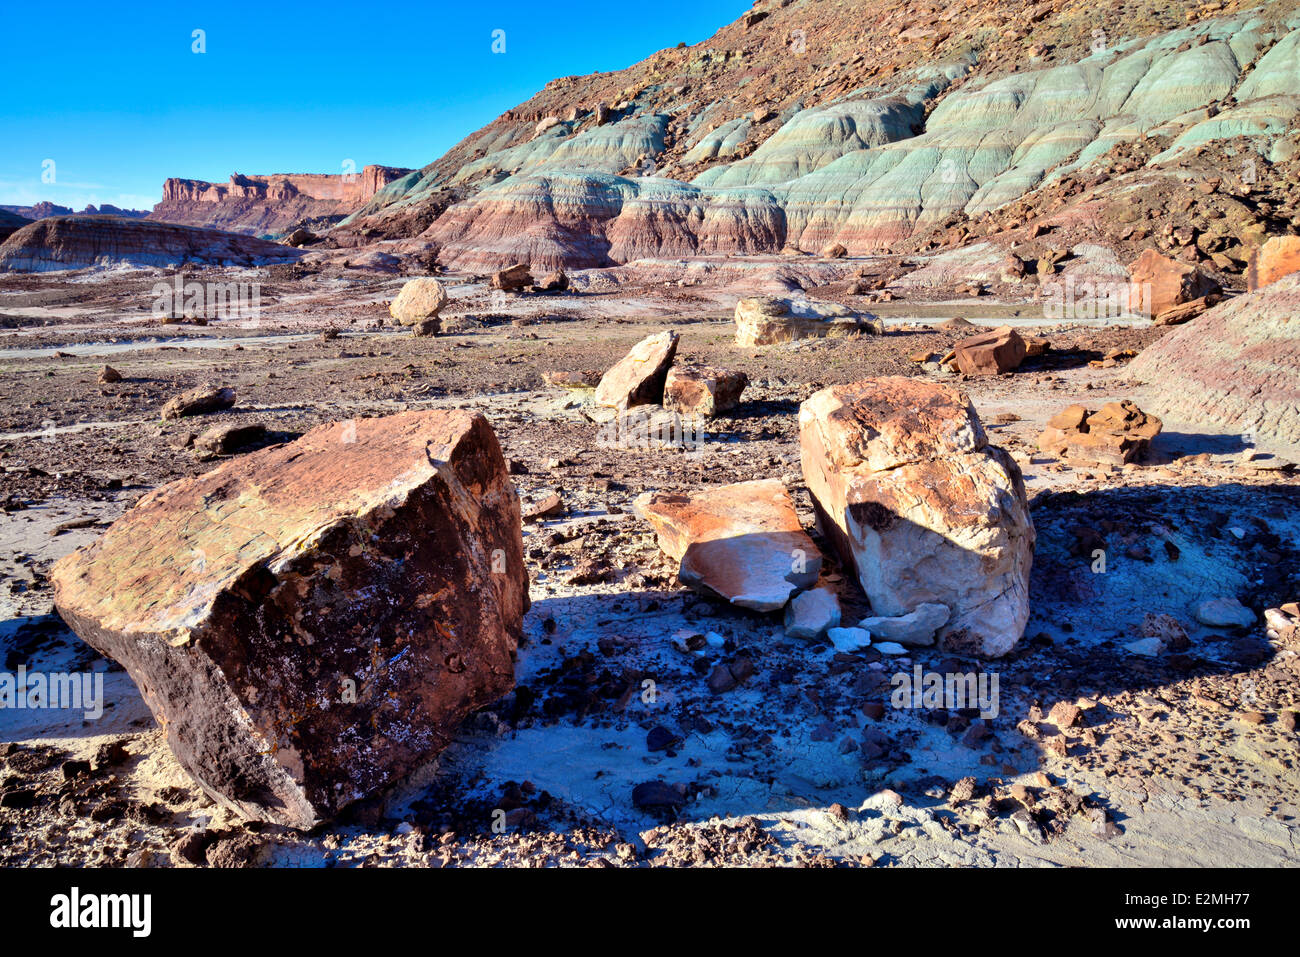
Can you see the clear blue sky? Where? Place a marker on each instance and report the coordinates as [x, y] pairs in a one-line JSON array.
[[114, 95]]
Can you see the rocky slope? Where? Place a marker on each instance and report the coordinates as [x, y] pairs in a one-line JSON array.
[[1237, 366], [270, 205], [78, 242], [812, 122]]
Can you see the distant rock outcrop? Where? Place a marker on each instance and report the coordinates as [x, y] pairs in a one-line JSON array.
[[270, 205], [79, 242], [1237, 366]]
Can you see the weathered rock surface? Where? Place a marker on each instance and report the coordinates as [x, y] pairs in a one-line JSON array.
[[420, 299], [921, 506], [702, 390], [77, 242], [512, 278], [312, 621], [201, 400], [1236, 366], [810, 613], [1160, 283], [638, 378], [742, 541], [1117, 434], [768, 320], [917, 628], [991, 353], [1278, 257]]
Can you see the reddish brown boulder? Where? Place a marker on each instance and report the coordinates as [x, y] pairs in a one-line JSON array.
[[702, 390], [1278, 257], [1117, 434], [834, 251], [557, 281], [1158, 283], [312, 621], [743, 541], [638, 378], [991, 353], [915, 500], [512, 278]]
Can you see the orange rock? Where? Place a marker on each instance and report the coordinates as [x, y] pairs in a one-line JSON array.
[[990, 353], [1118, 434], [1158, 283], [742, 542], [1278, 257]]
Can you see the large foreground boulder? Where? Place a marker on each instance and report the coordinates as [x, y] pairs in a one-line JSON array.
[[742, 541], [915, 499], [312, 621], [638, 378], [1235, 367], [768, 320]]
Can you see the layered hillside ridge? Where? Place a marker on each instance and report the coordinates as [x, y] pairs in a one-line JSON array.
[[272, 204], [78, 242], [43, 209], [1236, 367], [884, 126]]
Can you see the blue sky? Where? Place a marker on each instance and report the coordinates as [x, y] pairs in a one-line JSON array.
[[116, 98]]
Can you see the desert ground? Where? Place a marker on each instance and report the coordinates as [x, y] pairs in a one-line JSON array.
[[619, 746]]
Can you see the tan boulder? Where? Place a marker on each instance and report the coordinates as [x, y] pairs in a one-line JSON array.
[[312, 621], [1157, 283], [702, 390], [834, 251], [420, 299], [1278, 257], [1117, 434], [990, 353], [742, 542], [638, 378], [202, 400], [767, 320], [919, 504]]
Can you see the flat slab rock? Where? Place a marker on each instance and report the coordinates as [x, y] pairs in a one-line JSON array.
[[742, 541], [311, 621], [915, 499]]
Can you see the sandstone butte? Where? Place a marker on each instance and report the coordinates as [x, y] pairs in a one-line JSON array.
[[266, 205], [311, 621], [741, 541], [914, 498], [1236, 366]]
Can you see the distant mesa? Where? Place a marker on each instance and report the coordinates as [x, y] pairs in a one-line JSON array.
[[45, 209], [270, 205]]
